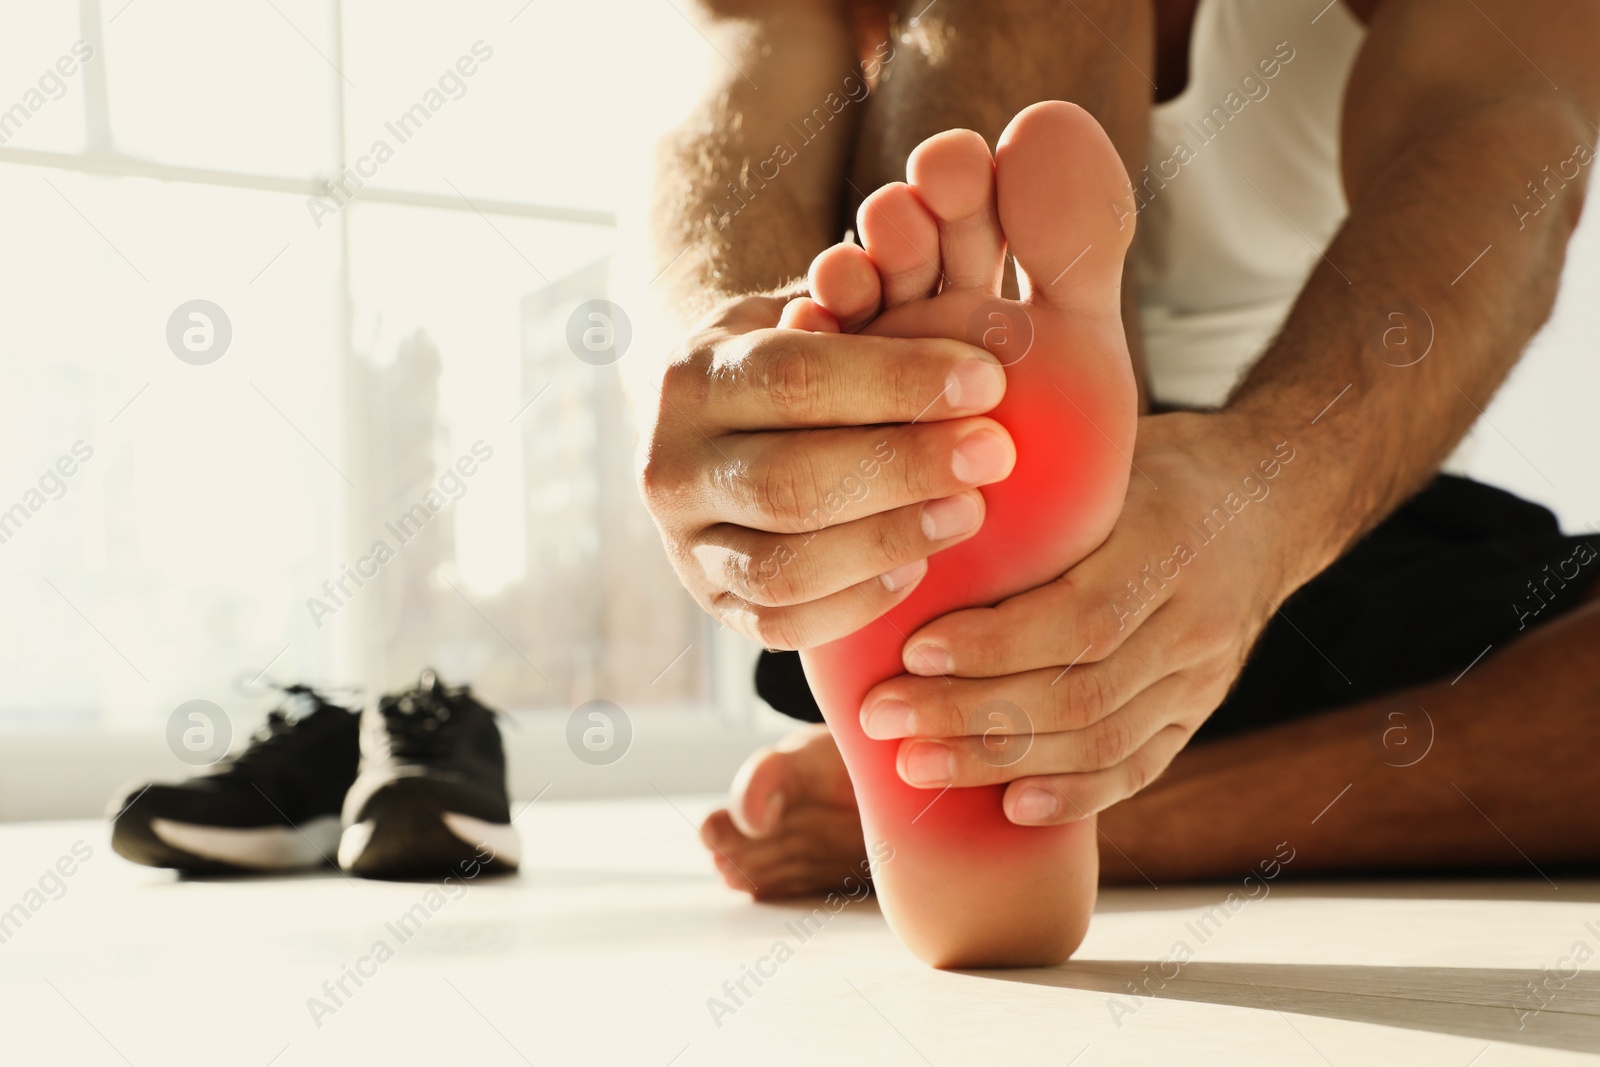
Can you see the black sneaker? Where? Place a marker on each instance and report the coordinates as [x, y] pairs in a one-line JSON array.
[[431, 796], [273, 807]]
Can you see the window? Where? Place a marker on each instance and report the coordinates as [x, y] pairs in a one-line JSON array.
[[372, 448], [391, 219]]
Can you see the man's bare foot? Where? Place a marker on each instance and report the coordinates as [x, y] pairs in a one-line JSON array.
[[791, 827], [960, 883]]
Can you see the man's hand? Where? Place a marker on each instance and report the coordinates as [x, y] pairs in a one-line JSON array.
[[801, 480], [1117, 663]]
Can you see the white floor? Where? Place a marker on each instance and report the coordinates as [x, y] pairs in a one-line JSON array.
[[612, 945]]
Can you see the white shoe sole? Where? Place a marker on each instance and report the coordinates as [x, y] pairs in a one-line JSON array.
[[501, 839], [263, 848], [353, 842]]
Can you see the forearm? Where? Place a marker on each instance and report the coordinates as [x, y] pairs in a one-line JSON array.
[[748, 189], [1399, 271]]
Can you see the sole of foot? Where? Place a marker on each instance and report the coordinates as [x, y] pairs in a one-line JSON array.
[[961, 885]]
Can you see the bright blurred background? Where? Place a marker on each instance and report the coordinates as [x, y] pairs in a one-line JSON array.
[[188, 156], [374, 343]]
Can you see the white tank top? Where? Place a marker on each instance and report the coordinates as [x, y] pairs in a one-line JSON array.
[[1242, 192]]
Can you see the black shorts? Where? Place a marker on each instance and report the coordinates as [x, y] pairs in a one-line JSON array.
[[1459, 569]]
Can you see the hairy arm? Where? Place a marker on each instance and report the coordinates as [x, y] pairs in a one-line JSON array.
[[743, 199], [748, 431], [1446, 124], [1459, 140]]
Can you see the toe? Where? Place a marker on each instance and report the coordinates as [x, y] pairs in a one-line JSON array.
[[803, 313], [760, 867], [1066, 206], [844, 280], [718, 831], [952, 174], [902, 238], [758, 793]]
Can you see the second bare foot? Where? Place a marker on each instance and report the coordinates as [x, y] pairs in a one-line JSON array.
[[791, 827]]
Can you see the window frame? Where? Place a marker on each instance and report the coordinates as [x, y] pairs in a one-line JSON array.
[[731, 707]]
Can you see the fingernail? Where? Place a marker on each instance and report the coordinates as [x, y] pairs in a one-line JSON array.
[[973, 385], [930, 763], [928, 658], [900, 577], [1035, 805], [981, 458], [950, 516], [889, 719]]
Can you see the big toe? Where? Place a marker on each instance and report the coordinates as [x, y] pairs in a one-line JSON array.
[[803, 770], [1066, 206], [760, 791], [952, 174]]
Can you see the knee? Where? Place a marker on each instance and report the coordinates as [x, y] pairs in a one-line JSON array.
[[1018, 52]]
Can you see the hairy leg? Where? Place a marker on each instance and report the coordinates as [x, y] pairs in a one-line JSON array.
[[1509, 779], [973, 64], [742, 200]]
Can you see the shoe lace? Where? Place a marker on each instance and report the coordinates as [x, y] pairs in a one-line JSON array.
[[299, 703], [418, 719]]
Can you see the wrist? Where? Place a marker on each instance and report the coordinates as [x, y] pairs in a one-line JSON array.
[[1269, 477], [1312, 520]]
